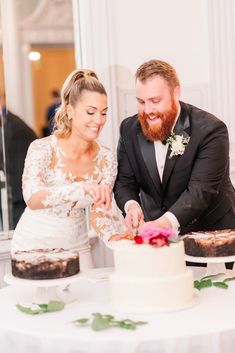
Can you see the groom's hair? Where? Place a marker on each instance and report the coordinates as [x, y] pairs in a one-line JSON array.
[[157, 68]]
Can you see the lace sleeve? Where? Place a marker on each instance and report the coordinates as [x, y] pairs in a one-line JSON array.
[[106, 223], [35, 190]]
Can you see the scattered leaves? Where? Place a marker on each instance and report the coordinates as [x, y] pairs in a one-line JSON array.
[[207, 282], [52, 306], [101, 322]]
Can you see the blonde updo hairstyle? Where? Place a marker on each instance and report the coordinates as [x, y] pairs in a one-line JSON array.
[[72, 89]]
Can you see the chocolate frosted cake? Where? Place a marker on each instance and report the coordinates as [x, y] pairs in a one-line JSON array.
[[210, 244], [45, 264]]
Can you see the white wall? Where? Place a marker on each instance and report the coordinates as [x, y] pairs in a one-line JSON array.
[[148, 29], [197, 37]]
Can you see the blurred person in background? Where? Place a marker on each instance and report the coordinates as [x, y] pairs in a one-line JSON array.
[[51, 110], [17, 138]]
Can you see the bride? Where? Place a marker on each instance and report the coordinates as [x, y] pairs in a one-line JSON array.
[[68, 171]]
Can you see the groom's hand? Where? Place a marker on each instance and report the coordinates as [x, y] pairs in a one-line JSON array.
[[134, 218], [160, 222]]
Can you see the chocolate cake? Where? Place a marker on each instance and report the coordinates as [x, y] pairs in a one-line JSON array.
[[45, 264], [210, 244]]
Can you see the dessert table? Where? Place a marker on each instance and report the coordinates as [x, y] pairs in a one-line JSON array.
[[208, 326]]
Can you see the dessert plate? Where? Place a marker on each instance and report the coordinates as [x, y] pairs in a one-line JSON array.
[[47, 289], [10, 279], [214, 264]]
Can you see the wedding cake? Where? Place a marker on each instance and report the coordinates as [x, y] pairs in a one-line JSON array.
[[150, 274]]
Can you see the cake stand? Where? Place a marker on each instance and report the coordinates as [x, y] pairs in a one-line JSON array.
[[215, 265], [47, 289]]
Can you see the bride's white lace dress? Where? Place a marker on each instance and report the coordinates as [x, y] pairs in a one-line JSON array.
[[61, 223]]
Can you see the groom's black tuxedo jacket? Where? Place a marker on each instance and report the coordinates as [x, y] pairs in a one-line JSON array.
[[195, 186]]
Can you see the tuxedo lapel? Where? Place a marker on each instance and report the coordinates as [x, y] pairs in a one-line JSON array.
[[148, 154], [181, 128]]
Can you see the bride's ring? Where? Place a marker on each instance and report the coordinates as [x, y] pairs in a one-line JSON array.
[[91, 193]]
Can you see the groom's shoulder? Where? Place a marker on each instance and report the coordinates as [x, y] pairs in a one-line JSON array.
[[130, 122], [200, 116]]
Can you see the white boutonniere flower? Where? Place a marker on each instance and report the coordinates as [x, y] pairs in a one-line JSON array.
[[177, 144]]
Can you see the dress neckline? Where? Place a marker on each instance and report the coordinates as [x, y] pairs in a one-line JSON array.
[[59, 164], [60, 150]]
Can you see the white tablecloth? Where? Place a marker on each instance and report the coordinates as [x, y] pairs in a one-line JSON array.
[[208, 327]]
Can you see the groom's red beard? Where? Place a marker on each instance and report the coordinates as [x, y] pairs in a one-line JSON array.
[[159, 132]]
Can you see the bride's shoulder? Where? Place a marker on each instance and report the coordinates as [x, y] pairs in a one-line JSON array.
[[106, 152], [42, 145], [107, 155], [43, 142]]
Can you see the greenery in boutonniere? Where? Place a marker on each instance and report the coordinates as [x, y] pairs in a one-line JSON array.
[[177, 144], [52, 306], [207, 281], [100, 322]]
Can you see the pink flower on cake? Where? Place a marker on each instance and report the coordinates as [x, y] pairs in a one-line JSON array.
[[159, 240], [155, 236]]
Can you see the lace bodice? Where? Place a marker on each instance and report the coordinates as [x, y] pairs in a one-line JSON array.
[[61, 193]]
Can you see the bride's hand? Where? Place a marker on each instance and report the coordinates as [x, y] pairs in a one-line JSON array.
[[101, 194], [116, 237]]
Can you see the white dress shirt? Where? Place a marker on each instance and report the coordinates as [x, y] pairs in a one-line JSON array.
[[160, 154]]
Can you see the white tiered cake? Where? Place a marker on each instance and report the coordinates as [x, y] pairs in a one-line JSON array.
[[149, 278]]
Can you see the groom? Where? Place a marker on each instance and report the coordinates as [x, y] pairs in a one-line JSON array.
[[173, 159]]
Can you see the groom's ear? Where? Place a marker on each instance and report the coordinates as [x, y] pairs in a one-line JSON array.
[[177, 92]]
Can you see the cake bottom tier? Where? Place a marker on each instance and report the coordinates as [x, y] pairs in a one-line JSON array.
[[150, 294]]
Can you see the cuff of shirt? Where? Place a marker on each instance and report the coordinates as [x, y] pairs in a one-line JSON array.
[[173, 220], [128, 203]]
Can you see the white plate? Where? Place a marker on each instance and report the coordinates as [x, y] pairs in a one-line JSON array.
[[218, 259], [10, 279]]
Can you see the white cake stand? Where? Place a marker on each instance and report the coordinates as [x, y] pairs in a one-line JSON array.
[[214, 264], [47, 289]]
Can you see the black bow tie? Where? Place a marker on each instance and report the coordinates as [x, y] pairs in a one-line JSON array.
[[163, 142]]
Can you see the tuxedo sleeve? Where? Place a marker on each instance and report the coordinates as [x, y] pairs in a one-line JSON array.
[[126, 187], [208, 173]]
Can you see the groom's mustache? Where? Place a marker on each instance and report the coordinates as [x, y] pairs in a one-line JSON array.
[[152, 115], [158, 132]]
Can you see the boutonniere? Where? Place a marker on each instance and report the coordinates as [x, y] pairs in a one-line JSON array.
[[177, 144]]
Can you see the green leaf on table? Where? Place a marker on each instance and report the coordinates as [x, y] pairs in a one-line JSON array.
[[220, 285], [42, 306], [206, 281], [52, 306], [199, 284], [28, 310], [82, 321], [101, 322]]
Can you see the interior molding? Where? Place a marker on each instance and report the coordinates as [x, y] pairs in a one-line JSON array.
[[196, 95], [51, 22], [222, 57], [97, 53]]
